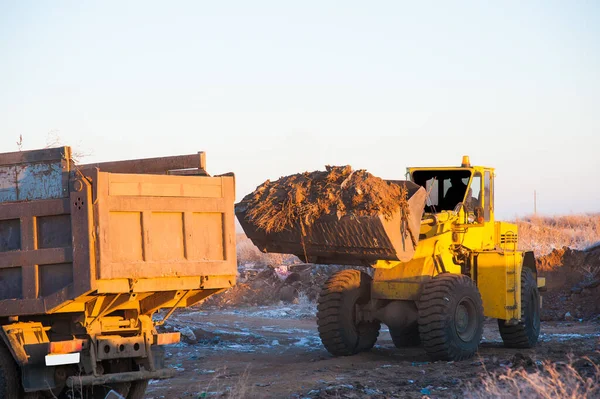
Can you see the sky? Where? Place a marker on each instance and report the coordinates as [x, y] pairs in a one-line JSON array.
[[271, 88]]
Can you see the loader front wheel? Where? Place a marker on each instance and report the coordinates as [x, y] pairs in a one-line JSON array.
[[524, 334], [450, 317], [340, 331]]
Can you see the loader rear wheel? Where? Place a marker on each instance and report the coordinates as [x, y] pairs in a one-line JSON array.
[[340, 332], [526, 333], [406, 337], [10, 386], [450, 317]]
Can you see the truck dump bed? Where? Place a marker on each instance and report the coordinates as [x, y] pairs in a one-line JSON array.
[[69, 234], [349, 240]]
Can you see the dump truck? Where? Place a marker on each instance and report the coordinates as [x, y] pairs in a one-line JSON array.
[[433, 287], [94, 258]]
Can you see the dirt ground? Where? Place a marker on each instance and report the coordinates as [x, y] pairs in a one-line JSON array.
[[573, 283], [260, 340], [275, 352]]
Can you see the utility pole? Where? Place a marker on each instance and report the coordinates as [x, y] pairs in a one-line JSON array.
[[534, 202]]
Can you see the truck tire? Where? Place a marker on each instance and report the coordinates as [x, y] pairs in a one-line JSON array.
[[340, 333], [406, 337], [100, 391], [450, 317], [137, 389], [526, 333], [10, 380]]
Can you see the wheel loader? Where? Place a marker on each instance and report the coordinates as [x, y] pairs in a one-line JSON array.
[[433, 287]]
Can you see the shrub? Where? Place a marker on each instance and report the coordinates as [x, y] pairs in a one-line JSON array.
[[551, 381]]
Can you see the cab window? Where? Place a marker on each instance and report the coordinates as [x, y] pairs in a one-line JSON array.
[[446, 188], [488, 196]]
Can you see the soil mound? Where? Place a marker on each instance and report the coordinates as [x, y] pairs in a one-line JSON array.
[[260, 285], [304, 197], [573, 283]]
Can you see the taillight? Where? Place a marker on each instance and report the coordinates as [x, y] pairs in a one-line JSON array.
[[167, 338], [60, 347]]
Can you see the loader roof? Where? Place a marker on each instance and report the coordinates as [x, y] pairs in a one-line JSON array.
[[465, 165]]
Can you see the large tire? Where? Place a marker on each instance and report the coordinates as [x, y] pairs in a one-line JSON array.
[[450, 317], [122, 388], [406, 337], [100, 391], [340, 333], [10, 380], [526, 333], [138, 389]]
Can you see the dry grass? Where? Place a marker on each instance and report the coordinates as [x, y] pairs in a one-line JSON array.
[[551, 381], [543, 234], [230, 386]]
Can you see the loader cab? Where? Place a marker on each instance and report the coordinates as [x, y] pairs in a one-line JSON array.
[[449, 187]]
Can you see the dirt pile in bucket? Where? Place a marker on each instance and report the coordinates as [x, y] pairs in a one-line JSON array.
[[303, 198], [573, 283]]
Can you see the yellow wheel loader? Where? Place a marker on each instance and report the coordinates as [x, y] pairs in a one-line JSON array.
[[439, 269]]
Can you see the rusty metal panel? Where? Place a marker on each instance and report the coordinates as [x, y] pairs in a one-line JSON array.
[[80, 235], [160, 165], [54, 277], [53, 231], [10, 235], [164, 226], [11, 280], [34, 175], [163, 186], [38, 259]]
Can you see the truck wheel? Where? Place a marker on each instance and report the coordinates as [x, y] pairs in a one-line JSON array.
[[138, 389], [526, 333], [340, 332], [100, 391], [10, 385], [450, 317], [406, 337]]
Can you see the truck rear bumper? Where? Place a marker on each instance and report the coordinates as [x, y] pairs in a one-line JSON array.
[[86, 380]]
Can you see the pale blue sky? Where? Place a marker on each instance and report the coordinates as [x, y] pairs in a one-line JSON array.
[[273, 88]]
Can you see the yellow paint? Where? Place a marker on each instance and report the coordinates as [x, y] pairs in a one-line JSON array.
[[491, 245], [541, 282], [498, 279]]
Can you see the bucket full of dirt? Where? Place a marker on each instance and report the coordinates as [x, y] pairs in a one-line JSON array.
[[336, 216]]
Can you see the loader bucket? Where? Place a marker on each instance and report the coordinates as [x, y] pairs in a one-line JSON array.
[[349, 240]]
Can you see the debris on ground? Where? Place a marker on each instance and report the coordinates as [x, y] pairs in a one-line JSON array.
[[260, 285], [282, 356]]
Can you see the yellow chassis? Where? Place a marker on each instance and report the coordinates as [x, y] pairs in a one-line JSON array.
[[456, 242]]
